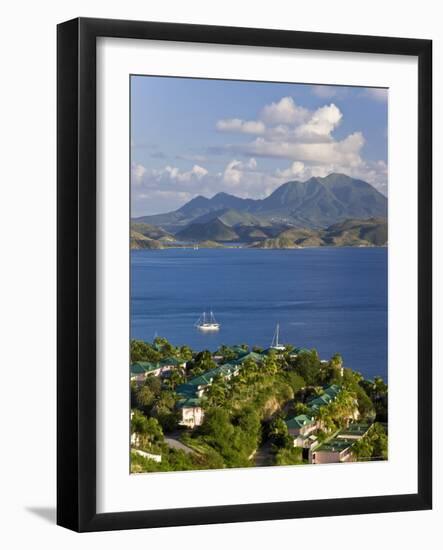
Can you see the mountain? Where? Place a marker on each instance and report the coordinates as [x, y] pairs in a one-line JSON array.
[[213, 230], [140, 241], [316, 203], [233, 218], [373, 231], [151, 231], [370, 232]]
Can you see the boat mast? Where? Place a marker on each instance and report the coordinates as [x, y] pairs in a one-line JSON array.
[[277, 330]]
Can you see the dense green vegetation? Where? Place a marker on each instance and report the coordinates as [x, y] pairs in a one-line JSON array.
[[374, 446], [244, 415]]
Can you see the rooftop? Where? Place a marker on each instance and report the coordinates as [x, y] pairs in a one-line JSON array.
[[140, 367], [299, 421]]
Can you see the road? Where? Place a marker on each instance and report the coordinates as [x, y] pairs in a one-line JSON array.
[[178, 445]]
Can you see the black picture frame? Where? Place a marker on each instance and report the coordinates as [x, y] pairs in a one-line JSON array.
[[76, 265]]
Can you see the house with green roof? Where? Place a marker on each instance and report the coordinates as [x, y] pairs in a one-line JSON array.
[[339, 447], [301, 424], [140, 370], [193, 390]]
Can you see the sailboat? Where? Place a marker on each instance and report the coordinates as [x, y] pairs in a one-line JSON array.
[[275, 343], [207, 322]]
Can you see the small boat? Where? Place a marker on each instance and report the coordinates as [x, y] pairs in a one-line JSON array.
[[207, 322], [275, 343]]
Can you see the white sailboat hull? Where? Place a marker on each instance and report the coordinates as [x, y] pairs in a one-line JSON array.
[[207, 323], [209, 326]]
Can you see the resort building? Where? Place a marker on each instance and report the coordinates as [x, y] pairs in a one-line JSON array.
[[339, 448], [194, 389], [140, 370], [301, 425]]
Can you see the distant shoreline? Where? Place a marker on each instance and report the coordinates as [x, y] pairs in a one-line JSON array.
[[223, 247]]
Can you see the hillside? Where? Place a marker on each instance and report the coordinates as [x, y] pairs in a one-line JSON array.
[[140, 241], [151, 231], [213, 230], [316, 204], [370, 232]]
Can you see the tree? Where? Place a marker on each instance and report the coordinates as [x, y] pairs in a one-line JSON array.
[[296, 381], [167, 349], [202, 362], [144, 398], [185, 353], [379, 442], [148, 430], [216, 393], [142, 351], [176, 377], [154, 384], [278, 433], [227, 353], [307, 364]]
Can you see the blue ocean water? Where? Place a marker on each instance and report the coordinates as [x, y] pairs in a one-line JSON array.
[[331, 299]]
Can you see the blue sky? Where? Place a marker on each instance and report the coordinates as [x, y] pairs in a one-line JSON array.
[[199, 137]]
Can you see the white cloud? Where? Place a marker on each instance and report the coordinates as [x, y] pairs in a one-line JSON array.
[[284, 111], [320, 124], [345, 151], [138, 171], [303, 139], [174, 173], [235, 171], [239, 125], [375, 173]]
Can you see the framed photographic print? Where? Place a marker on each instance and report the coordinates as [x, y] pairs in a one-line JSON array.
[[244, 274]]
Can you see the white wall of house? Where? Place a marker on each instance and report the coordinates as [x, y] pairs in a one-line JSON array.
[[192, 416]]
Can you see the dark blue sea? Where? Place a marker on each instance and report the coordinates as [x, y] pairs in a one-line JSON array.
[[331, 299]]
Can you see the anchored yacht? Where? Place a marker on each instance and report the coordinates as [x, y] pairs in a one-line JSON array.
[[207, 322], [275, 343]]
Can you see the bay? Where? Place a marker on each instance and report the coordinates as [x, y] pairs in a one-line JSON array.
[[330, 299]]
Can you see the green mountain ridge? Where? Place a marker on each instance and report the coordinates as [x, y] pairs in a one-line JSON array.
[[213, 230], [315, 204], [214, 233], [360, 233]]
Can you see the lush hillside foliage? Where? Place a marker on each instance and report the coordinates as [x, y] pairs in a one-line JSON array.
[[244, 415]]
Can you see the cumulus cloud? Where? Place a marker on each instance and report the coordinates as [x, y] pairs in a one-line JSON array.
[[196, 172], [235, 170], [303, 140], [373, 172], [239, 125], [138, 171], [284, 111], [320, 124], [342, 152]]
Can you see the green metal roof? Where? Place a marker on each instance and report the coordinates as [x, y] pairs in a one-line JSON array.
[[328, 395], [354, 429], [141, 367], [299, 421], [335, 445]]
